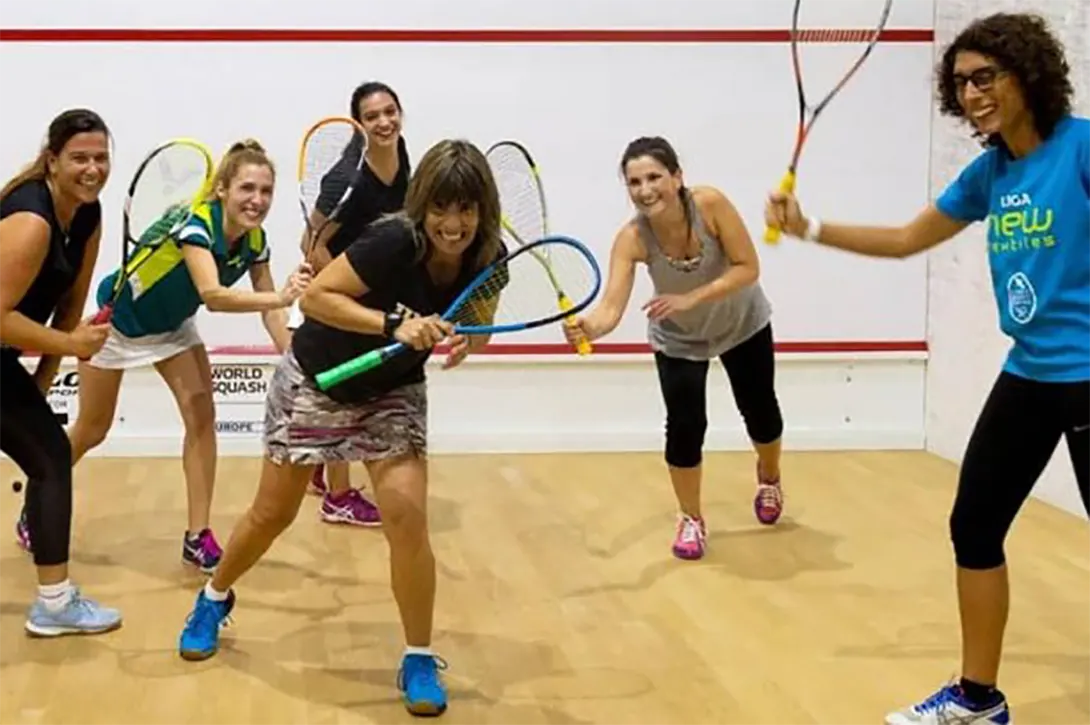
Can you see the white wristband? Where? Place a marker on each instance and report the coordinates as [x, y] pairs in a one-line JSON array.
[[813, 229]]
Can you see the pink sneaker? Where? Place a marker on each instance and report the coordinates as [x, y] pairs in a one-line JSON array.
[[349, 507], [22, 533], [317, 486], [202, 551], [691, 534], [768, 503]]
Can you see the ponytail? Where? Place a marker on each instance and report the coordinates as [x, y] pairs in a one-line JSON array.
[[61, 130], [34, 171], [246, 151], [686, 206]]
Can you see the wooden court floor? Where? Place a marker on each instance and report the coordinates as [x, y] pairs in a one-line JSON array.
[[558, 601]]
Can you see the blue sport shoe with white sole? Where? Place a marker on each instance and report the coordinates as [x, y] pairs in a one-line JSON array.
[[200, 638], [421, 688]]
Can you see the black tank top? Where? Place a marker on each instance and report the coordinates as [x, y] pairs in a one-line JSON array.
[[65, 256]]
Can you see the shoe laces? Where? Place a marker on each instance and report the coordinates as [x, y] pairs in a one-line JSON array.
[[417, 664], [690, 529], [769, 494], [939, 701], [205, 615]]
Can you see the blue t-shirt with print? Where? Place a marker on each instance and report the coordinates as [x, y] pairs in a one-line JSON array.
[[1037, 209]]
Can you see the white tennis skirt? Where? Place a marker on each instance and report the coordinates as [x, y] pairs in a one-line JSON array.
[[122, 353]]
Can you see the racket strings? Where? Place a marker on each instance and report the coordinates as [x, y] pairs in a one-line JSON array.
[[521, 290], [322, 154], [520, 196], [173, 180]]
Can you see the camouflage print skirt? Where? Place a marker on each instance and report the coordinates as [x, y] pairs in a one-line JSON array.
[[305, 426]]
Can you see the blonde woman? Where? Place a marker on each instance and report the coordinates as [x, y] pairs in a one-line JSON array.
[[391, 284], [224, 241]]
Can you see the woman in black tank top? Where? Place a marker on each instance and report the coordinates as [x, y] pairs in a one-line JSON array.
[[50, 226], [380, 190]]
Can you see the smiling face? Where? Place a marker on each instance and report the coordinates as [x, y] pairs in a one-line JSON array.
[[452, 228], [380, 117], [990, 97], [651, 186], [82, 167], [247, 196]]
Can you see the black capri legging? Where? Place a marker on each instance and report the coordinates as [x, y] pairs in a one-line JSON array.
[[751, 368], [35, 440], [1014, 439]]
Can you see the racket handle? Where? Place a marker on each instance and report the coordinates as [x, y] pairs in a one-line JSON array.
[[582, 345], [101, 318], [787, 185], [357, 365], [103, 315]]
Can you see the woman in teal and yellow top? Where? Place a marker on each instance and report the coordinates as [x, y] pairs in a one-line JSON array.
[[153, 324]]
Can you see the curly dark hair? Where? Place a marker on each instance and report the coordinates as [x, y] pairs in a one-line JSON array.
[[1021, 44]]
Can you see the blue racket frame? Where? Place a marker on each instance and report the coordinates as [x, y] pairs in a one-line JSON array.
[[373, 358]]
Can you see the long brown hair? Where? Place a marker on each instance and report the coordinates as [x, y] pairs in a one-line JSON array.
[[241, 153], [61, 130], [659, 149], [455, 171]]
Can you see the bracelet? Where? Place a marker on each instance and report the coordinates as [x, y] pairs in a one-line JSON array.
[[813, 229]]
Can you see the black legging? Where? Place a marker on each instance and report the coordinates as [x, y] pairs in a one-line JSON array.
[[751, 368], [1014, 438], [31, 436]]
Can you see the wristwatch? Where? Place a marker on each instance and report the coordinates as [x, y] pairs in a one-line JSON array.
[[391, 322]]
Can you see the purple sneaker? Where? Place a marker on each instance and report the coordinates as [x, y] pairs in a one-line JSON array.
[[349, 507], [22, 533], [202, 551]]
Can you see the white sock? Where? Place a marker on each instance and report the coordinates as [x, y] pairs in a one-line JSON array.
[[426, 651], [56, 597], [212, 594]]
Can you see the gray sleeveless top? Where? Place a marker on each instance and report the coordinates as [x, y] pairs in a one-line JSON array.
[[709, 329]]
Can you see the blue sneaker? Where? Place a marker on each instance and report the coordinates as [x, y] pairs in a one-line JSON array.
[[79, 616], [949, 706], [200, 637], [421, 689]]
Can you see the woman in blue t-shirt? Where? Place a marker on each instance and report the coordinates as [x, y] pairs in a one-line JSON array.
[[1006, 75]]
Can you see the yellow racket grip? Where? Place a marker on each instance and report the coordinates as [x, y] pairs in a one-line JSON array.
[[582, 345], [787, 185]]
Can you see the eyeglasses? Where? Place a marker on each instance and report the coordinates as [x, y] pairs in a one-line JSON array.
[[982, 78]]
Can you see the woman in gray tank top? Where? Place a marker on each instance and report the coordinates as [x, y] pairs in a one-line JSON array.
[[707, 304]]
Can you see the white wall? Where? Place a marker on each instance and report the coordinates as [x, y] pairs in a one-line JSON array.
[[498, 405], [851, 374], [966, 348]]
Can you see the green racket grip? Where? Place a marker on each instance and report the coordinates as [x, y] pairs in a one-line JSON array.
[[349, 369]]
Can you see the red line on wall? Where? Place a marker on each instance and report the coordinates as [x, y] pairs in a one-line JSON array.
[[629, 348], [414, 35]]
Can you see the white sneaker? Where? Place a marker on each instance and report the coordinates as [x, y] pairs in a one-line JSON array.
[[949, 706]]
